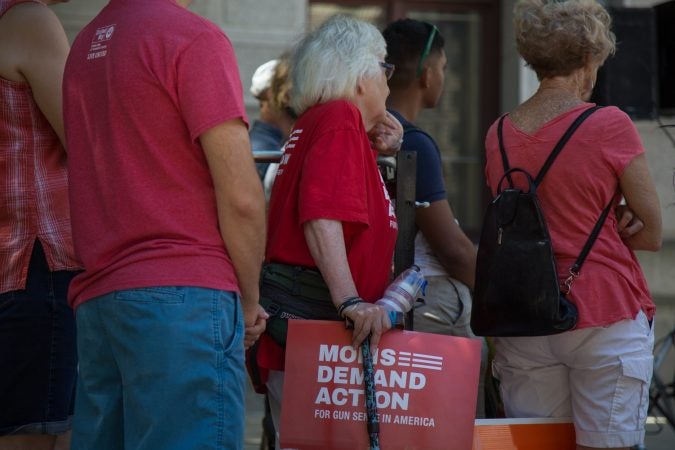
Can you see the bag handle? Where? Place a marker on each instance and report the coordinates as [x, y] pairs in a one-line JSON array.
[[507, 174]]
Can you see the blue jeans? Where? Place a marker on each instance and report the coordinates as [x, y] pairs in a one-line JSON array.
[[160, 368]]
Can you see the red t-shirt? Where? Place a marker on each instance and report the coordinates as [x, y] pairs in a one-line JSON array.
[[573, 193], [329, 171], [142, 82]]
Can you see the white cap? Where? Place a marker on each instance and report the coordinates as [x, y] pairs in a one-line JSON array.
[[262, 77]]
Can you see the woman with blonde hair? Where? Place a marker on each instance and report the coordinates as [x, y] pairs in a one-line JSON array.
[[599, 372]]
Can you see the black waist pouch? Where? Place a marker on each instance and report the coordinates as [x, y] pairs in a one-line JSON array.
[[293, 292]]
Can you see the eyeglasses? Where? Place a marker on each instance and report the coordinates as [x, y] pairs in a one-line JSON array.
[[388, 69], [427, 49]]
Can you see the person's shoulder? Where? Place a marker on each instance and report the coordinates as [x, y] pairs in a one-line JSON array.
[[31, 31], [29, 8], [339, 112], [612, 113], [202, 25], [331, 117], [25, 15], [405, 123], [607, 122], [415, 138], [181, 23], [341, 106]]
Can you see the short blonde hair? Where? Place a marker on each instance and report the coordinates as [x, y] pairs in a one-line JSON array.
[[557, 37], [329, 62], [281, 85]]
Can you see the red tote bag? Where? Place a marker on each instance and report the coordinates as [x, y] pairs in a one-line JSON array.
[[426, 389]]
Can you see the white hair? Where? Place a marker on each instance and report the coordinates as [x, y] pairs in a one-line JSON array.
[[328, 62]]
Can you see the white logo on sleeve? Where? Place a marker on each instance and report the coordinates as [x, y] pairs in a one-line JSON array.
[[288, 150], [99, 44]]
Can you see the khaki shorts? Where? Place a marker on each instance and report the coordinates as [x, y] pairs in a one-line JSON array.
[[597, 376], [447, 310]]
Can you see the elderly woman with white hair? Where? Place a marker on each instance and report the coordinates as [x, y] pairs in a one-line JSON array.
[[332, 228], [599, 372]]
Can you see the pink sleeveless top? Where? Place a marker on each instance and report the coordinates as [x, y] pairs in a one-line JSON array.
[[33, 185]]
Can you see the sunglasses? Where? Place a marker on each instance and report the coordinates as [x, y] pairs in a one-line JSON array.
[[388, 69], [427, 49]]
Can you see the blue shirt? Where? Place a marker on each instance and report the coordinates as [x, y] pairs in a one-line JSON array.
[[430, 186], [264, 137]]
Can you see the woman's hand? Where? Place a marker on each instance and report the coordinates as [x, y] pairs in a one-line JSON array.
[[628, 223], [254, 326], [386, 137], [369, 319]]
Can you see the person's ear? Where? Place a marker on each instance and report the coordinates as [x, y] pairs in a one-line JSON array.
[[424, 79], [360, 87]]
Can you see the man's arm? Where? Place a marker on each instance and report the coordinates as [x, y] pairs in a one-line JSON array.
[[241, 207], [452, 247]]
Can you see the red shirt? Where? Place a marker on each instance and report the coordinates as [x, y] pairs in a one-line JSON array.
[[143, 81], [573, 193], [329, 171], [33, 185]]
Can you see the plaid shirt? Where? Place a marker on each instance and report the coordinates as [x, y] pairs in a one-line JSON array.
[[33, 188]]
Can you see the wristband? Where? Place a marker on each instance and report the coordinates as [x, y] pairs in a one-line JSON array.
[[346, 304]]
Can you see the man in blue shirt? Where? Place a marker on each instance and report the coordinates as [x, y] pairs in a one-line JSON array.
[[444, 253]]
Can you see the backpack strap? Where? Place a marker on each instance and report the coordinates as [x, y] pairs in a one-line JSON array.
[[556, 150], [561, 143], [502, 151], [575, 270]]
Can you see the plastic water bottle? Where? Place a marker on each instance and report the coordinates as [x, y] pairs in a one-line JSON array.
[[403, 292]]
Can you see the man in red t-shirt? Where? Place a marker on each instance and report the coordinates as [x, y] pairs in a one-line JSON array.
[[168, 219]]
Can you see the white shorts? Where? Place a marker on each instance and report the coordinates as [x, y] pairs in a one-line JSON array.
[[597, 376]]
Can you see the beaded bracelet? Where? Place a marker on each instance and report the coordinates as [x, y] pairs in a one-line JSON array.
[[346, 304]]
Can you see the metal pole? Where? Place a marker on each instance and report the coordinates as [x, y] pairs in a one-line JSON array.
[[406, 177]]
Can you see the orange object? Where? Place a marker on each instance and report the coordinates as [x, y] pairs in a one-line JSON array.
[[426, 390], [523, 434]]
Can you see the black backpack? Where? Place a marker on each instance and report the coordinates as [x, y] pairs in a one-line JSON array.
[[517, 292]]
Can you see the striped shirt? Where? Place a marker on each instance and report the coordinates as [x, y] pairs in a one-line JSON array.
[[33, 186]]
